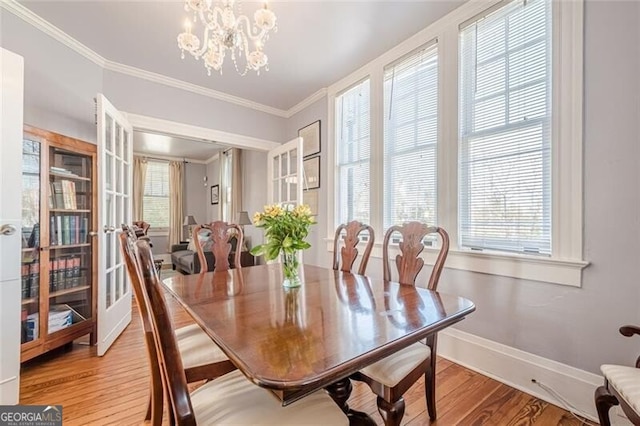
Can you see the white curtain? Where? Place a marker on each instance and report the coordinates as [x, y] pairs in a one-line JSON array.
[[176, 213], [139, 178], [231, 184]]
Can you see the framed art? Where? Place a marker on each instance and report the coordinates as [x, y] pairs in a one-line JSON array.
[[311, 173], [310, 139], [215, 194]]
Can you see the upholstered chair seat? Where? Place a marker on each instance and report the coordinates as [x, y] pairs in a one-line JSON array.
[[233, 400], [391, 370], [196, 347]]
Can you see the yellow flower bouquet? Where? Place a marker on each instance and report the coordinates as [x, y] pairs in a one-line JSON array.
[[286, 227]]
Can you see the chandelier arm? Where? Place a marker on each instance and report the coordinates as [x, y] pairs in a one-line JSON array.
[[248, 32], [215, 13], [205, 43]]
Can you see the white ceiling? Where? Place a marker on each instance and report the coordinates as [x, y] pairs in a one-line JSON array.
[[156, 145], [317, 43]]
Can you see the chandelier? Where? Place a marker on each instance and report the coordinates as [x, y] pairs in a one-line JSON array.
[[225, 32]]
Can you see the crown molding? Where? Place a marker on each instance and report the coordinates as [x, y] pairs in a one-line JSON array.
[[51, 30], [306, 102], [56, 33], [190, 87]]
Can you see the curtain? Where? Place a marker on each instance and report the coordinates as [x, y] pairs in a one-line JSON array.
[[236, 184], [139, 178], [176, 187]]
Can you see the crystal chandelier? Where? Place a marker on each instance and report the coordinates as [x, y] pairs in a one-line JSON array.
[[227, 33]]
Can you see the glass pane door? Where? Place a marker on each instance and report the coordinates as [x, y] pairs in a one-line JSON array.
[[30, 272], [70, 259]]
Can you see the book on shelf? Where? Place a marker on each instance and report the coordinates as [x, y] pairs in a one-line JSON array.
[[58, 197], [25, 282], [53, 231], [69, 194], [34, 278]]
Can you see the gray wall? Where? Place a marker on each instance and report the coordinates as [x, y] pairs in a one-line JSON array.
[[59, 84], [575, 326], [254, 193], [317, 254]]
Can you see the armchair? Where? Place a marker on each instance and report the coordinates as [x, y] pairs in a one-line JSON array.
[[621, 386]]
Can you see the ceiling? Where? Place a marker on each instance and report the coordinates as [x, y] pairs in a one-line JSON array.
[[156, 145], [317, 43]]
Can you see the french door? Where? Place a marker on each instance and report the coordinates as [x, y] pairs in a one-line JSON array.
[[283, 169], [115, 154], [11, 107]]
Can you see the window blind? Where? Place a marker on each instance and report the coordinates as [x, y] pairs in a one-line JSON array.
[[505, 130], [410, 139], [156, 194], [353, 124]]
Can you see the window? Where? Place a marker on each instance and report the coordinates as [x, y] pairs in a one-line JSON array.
[[473, 124], [410, 139], [226, 181], [156, 195], [353, 153], [505, 130]]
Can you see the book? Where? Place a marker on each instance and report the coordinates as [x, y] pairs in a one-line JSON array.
[[66, 235], [34, 278], [68, 272], [53, 231], [59, 229], [69, 194], [25, 283], [58, 197]]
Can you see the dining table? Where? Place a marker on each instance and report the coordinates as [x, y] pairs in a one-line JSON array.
[[295, 341]]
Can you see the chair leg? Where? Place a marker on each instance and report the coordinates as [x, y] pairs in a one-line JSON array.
[[391, 412], [147, 416], [430, 388], [604, 401]]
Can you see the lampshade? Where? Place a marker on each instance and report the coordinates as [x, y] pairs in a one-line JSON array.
[[243, 219], [189, 220]]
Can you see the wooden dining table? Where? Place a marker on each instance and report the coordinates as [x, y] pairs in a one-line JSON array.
[[294, 341]]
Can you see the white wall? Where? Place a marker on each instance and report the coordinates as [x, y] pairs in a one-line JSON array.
[[213, 178], [254, 192], [575, 326]]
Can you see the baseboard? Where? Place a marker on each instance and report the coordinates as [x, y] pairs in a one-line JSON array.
[[516, 368]]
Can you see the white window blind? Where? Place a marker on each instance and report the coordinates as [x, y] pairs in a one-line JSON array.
[[353, 153], [505, 130], [410, 138], [156, 195]]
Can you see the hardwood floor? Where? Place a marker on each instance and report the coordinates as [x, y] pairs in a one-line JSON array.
[[113, 389]]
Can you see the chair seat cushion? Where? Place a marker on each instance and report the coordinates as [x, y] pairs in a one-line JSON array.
[[626, 381], [392, 369], [196, 347], [233, 400]]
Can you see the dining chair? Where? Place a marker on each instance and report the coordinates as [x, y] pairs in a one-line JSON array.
[[220, 234], [201, 357], [230, 399], [349, 251], [621, 387], [143, 227], [392, 376]]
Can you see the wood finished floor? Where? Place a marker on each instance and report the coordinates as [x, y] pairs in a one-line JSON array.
[[113, 390]]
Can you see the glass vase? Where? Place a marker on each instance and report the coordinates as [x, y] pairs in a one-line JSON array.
[[290, 269]]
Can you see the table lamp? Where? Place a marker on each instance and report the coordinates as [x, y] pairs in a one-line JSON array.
[[242, 219], [189, 221]]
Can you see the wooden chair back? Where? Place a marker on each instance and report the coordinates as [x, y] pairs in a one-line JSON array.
[[169, 357], [408, 262], [127, 239], [349, 252], [221, 247], [144, 226]]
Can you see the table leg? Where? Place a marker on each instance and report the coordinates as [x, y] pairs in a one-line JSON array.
[[340, 392]]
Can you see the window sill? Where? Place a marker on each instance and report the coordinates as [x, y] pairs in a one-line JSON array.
[[556, 271], [157, 233]]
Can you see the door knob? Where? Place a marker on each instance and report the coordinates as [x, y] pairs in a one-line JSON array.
[[93, 233], [108, 229], [7, 229]]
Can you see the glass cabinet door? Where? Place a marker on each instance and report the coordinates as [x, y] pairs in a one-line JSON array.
[[70, 258], [30, 272]]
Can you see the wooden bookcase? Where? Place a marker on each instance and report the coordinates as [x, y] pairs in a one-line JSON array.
[[59, 259]]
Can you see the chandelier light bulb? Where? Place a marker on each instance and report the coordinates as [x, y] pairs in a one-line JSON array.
[[224, 29]]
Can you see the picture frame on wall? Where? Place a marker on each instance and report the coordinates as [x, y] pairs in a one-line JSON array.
[[311, 169], [310, 139], [215, 194]]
